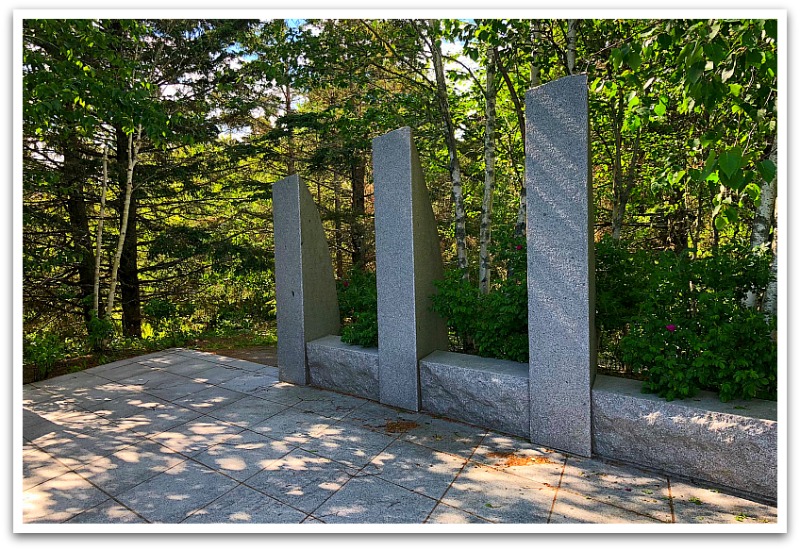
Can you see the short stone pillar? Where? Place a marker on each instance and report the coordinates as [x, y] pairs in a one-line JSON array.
[[560, 264], [305, 290], [408, 260]]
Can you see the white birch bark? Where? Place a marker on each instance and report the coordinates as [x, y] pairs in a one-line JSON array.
[[770, 304], [762, 222], [133, 154], [535, 70], [99, 247], [455, 166], [485, 265], [572, 39]]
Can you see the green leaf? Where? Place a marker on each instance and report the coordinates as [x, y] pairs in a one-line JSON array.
[[731, 160], [660, 109], [695, 72], [634, 60], [715, 52], [735, 89], [753, 191], [767, 169]]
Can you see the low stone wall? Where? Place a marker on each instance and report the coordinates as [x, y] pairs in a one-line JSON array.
[[731, 444], [491, 393], [337, 366]]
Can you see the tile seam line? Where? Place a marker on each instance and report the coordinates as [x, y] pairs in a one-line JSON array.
[[450, 485], [131, 510], [358, 470], [558, 487]]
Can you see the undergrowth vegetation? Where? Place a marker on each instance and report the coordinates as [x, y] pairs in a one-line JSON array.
[[676, 321]]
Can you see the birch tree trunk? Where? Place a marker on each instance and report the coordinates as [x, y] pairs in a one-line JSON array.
[[485, 265], [455, 166], [99, 246], [572, 39], [133, 154], [770, 304], [762, 223], [535, 70]]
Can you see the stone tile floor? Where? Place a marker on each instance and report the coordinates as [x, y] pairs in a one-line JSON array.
[[189, 437]]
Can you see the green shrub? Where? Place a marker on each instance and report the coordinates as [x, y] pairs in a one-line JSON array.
[[358, 307], [494, 324], [691, 330], [101, 332], [43, 350]]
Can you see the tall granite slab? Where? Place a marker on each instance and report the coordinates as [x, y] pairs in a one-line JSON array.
[[307, 306], [560, 264], [408, 261]]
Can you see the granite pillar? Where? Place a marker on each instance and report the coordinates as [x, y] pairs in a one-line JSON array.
[[307, 306], [408, 261], [560, 264]]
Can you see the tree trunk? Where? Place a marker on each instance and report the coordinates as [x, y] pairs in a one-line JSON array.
[[485, 265], [535, 70], [132, 154], [455, 166], [128, 270], [73, 177], [770, 304], [99, 244], [337, 224], [762, 223], [572, 39], [358, 183], [130, 298], [519, 227]]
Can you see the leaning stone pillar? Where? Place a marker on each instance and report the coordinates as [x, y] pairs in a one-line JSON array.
[[408, 261], [305, 290], [560, 264]]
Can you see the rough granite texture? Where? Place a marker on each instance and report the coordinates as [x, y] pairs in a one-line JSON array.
[[337, 366], [305, 290], [732, 444], [408, 260], [490, 393], [560, 264]]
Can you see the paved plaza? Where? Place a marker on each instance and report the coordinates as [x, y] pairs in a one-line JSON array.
[[182, 436]]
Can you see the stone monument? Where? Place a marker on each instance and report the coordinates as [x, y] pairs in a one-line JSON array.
[[560, 236], [408, 260], [305, 290]]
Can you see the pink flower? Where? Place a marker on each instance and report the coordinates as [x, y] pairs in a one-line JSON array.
[[519, 247], [670, 328], [345, 284]]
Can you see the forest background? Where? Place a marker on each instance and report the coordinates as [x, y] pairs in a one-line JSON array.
[[150, 147]]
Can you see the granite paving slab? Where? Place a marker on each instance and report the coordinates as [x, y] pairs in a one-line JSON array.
[[500, 497], [301, 479], [129, 466], [197, 435], [625, 487], [244, 455], [373, 500], [99, 449], [416, 468], [250, 382], [349, 445], [245, 505], [248, 411], [447, 514], [171, 496], [59, 499], [108, 512], [293, 427], [693, 504], [445, 435]]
